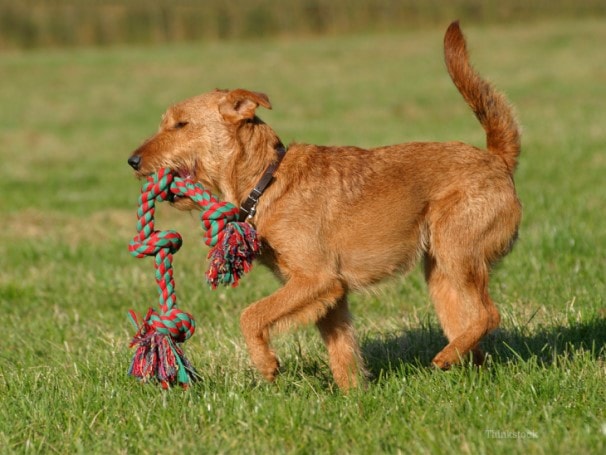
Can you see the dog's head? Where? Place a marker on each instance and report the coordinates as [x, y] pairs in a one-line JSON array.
[[198, 138]]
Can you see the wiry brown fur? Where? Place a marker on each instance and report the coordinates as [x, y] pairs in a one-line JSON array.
[[337, 219]]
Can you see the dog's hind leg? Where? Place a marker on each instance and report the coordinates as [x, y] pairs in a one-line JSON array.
[[469, 231], [338, 335], [301, 300], [465, 310]]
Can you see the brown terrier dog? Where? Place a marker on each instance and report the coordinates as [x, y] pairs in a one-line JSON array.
[[336, 219]]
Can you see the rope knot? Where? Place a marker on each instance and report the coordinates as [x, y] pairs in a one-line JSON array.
[[177, 324]]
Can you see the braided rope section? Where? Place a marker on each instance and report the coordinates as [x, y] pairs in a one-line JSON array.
[[234, 245]]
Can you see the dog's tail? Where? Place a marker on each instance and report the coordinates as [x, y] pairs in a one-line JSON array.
[[490, 106]]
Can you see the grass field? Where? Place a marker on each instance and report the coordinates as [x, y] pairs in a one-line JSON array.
[[68, 122]]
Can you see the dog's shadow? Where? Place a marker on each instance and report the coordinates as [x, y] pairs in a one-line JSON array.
[[417, 346]]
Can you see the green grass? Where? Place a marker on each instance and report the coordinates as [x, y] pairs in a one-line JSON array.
[[68, 122]]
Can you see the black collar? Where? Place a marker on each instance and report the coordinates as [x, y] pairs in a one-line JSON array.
[[248, 207]]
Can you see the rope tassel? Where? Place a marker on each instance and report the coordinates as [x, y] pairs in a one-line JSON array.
[[233, 255], [158, 354]]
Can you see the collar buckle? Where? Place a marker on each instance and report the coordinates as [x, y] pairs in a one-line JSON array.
[[249, 206]]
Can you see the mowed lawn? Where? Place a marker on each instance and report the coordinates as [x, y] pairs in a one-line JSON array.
[[69, 120]]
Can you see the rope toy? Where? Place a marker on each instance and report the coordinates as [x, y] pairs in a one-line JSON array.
[[234, 246]]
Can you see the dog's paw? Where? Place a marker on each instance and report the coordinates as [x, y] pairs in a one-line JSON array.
[[443, 361], [270, 368], [442, 365]]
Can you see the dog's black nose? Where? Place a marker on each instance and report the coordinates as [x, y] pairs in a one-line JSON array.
[[135, 162]]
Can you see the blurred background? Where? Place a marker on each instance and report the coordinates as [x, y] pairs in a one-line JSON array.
[[51, 23]]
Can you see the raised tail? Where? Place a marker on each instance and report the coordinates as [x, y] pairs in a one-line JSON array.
[[490, 106]]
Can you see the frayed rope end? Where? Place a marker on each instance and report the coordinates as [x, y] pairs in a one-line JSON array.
[[158, 358], [233, 255]]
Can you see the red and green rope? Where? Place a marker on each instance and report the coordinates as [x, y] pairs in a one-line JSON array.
[[234, 245]]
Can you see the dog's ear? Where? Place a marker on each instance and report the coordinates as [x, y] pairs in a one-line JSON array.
[[241, 104]]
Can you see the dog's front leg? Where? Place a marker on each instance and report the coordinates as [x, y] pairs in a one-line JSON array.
[[301, 300]]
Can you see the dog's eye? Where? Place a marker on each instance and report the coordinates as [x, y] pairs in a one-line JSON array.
[[179, 125]]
